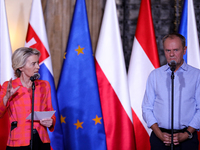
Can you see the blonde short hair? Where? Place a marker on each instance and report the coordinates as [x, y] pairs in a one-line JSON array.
[[20, 56]]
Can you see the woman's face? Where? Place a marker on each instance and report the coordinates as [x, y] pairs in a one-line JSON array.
[[31, 66]]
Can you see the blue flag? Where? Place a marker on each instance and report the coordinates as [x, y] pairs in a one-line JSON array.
[[77, 93], [188, 29]]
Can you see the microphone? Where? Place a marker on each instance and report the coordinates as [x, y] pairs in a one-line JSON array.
[[172, 65], [35, 77]]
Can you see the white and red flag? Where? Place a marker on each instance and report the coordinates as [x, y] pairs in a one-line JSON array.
[[37, 38], [144, 59], [6, 71], [112, 83]]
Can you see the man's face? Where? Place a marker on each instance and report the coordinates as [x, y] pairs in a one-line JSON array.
[[174, 50]]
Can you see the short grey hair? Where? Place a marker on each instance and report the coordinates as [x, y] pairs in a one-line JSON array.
[[20, 56], [172, 36]]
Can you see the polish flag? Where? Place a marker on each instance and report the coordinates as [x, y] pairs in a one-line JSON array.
[[144, 59], [112, 83], [37, 38], [6, 71]]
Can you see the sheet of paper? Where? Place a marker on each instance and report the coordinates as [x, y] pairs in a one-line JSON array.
[[38, 115]]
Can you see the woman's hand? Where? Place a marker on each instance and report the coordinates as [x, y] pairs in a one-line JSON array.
[[9, 92], [48, 122]]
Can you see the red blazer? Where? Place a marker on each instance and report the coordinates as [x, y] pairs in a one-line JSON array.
[[19, 107]]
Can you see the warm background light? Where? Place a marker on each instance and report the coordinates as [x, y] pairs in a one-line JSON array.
[[57, 16], [18, 12]]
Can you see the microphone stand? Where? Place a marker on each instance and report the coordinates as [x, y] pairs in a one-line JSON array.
[[172, 109], [33, 78], [32, 114]]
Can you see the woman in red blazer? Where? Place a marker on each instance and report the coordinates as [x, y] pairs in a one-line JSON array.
[[16, 99]]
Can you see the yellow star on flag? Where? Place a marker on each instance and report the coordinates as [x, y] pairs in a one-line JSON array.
[[79, 50], [62, 119], [97, 120], [65, 55], [78, 124]]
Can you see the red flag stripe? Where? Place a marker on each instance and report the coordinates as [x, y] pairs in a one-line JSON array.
[[120, 130], [145, 136]]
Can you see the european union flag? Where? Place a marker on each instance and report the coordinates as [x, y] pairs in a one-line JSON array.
[[77, 93]]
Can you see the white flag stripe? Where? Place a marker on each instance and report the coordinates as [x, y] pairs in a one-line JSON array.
[[39, 28], [193, 54], [5, 47], [139, 69], [31, 42], [108, 47]]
